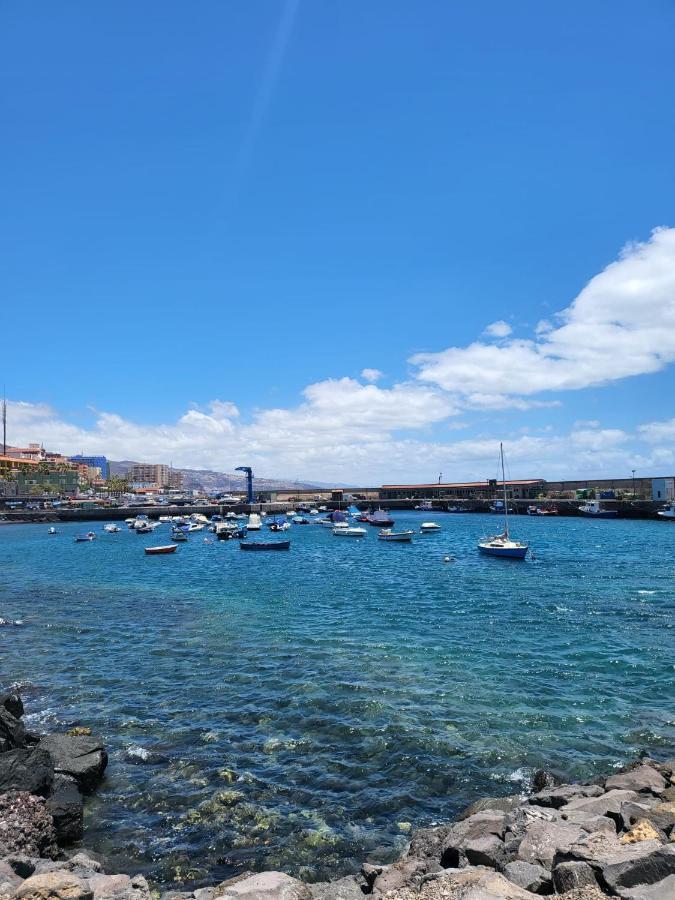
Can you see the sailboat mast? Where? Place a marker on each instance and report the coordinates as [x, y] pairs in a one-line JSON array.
[[506, 505]]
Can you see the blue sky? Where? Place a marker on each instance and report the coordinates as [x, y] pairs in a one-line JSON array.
[[239, 201]]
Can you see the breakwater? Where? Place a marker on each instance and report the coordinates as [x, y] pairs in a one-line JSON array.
[[626, 509]]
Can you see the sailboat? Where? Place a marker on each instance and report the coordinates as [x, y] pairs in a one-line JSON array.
[[501, 544]]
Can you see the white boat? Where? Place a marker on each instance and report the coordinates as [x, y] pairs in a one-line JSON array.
[[52, 530], [668, 511], [427, 527], [111, 528], [165, 519], [425, 506], [195, 526], [386, 534], [314, 512], [344, 530], [501, 544], [178, 534], [230, 515], [595, 510], [254, 523]]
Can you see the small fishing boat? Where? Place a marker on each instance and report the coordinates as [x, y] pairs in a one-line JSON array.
[[280, 526], [254, 523], [380, 519], [668, 511], [81, 538], [165, 519], [534, 510], [595, 510], [111, 528], [425, 506], [386, 534], [301, 520], [314, 512], [428, 527], [178, 534], [144, 528], [265, 545], [156, 551], [52, 530], [349, 531], [501, 544]]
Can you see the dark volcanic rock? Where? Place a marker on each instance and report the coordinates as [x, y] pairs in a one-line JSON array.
[[531, 877], [26, 770], [564, 793], [545, 840], [427, 843], [13, 703], [544, 780], [573, 874], [83, 757], [663, 890], [490, 851], [12, 731], [65, 805], [407, 872], [499, 804], [644, 870], [26, 828], [608, 805], [482, 824], [348, 888], [643, 779]]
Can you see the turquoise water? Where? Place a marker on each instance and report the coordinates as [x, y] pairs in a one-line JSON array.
[[301, 710]]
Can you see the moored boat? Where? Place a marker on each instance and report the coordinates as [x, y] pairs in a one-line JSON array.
[[428, 527], [386, 534], [254, 523], [157, 551], [81, 538], [595, 510], [349, 531], [52, 530], [668, 511], [111, 528], [501, 544], [380, 519]]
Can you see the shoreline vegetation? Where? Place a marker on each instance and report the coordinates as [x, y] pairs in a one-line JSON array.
[[613, 836]]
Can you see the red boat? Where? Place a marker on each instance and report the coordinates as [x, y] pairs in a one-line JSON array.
[[168, 548]]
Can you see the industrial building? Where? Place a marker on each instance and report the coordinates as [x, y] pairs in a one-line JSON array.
[[518, 489]]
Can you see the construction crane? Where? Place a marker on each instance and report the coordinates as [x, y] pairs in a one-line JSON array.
[[249, 481]]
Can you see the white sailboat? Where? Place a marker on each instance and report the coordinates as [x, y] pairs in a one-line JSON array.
[[501, 544]]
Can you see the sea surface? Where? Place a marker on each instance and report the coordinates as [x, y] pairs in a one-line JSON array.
[[304, 710]]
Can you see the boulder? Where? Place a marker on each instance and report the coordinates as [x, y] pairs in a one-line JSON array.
[[119, 887], [559, 796], [475, 883], [9, 880], [600, 850], [54, 886], [482, 824], [13, 703], [642, 779], [497, 804], [589, 821], [662, 890], [489, 850], [530, 877], [65, 805], [568, 876], [427, 843], [407, 872], [543, 841], [518, 820], [83, 757], [26, 770], [264, 886], [348, 888], [607, 805], [26, 828], [543, 780], [646, 869], [661, 815], [12, 731]]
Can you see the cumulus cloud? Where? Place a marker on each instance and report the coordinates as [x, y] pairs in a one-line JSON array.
[[656, 432], [621, 324], [499, 329], [371, 375]]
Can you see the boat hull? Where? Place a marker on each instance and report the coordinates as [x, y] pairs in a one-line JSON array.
[[604, 514], [504, 552], [160, 551], [265, 545]]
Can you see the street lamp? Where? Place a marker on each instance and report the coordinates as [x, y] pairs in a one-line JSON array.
[[633, 471]]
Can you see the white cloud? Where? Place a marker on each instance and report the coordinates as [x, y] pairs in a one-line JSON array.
[[621, 324], [371, 375], [656, 432], [499, 329]]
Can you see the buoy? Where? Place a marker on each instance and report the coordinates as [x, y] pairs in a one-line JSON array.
[[446, 559]]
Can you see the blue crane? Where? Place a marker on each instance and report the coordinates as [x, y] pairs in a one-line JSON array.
[[249, 481]]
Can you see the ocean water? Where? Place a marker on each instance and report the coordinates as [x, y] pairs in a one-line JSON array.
[[304, 710]]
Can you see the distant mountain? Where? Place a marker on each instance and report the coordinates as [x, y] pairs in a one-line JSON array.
[[208, 480]]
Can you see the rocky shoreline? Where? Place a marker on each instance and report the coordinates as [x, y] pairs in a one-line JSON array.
[[612, 837]]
